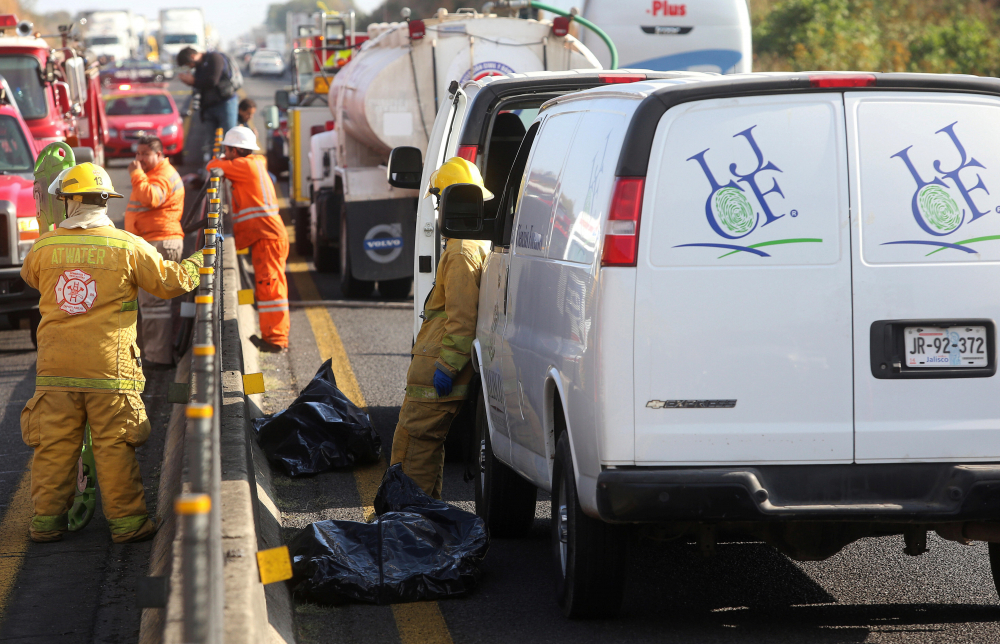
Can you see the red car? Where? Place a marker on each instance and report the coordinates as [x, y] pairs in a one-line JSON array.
[[18, 226], [143, 112]]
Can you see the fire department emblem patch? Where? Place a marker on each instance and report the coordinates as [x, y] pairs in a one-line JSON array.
[[76, 292]]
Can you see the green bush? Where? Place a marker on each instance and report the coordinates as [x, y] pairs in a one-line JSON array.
[[877, 35]]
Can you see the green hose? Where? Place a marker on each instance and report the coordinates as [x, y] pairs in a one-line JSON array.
[[586, 23]]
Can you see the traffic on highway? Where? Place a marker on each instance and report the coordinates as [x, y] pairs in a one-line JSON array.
[[541, 321]]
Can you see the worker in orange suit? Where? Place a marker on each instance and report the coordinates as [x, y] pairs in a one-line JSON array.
[[154, 213], [257, 225]]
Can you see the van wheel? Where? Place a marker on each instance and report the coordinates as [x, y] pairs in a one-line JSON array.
[[395, 289], [590, 555], [349, 286], [995, 565], [504, 500]]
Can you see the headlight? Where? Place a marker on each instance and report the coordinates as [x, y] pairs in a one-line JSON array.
[[113, 133], [170, 130], [23, 248]]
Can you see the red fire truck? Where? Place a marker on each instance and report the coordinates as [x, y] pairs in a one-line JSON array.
[[56, 89]]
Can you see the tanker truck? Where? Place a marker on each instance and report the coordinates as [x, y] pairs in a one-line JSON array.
[[388, 96]]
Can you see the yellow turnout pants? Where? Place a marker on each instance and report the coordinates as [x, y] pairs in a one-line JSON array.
[[53, 423], [419, 441]]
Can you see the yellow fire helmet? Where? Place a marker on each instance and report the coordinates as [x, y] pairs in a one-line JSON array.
[[457, 170], [84, 179]]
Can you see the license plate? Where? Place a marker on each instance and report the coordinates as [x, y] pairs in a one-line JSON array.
[[135, 147], [953, 346]]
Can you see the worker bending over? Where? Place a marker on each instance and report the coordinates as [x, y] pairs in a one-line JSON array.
[[257, 225], [440, 369], [88, 370], [154, 213]]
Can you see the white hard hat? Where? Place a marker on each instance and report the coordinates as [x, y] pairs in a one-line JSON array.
[[241, 137]]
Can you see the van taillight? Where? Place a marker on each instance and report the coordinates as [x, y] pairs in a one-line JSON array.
[[621, 232], [468, 152], [824, 81]]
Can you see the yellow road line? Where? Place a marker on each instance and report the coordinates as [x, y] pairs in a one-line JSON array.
[[14, 538], [420, 622]]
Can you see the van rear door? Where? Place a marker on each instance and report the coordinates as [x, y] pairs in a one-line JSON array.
[[743, 344], [925, 187]]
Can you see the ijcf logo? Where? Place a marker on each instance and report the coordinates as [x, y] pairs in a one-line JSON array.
[[934, 206], [729, 211]]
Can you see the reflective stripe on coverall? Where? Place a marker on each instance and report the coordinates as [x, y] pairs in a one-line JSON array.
[[154, 213], [257, 224], [444, 342], [89, 368]]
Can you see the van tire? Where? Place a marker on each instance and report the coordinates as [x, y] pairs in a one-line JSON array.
[[504, 500], [590, 555]]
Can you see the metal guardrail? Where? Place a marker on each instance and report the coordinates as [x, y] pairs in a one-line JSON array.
[[199, 510]]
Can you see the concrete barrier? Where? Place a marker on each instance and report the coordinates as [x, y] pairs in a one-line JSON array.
[[253, 613]]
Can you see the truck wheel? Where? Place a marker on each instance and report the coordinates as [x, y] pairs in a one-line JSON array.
[[326, 258], [349, 286], [395, 289], [590, 555], [303, 243], [504, 500]]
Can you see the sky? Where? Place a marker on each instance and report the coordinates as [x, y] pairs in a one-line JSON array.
[[231, 18]]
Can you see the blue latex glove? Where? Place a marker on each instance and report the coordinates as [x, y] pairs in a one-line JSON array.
[[442, 383]]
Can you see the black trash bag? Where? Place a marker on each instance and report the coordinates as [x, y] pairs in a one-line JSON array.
[[417, 549], [321, 431]]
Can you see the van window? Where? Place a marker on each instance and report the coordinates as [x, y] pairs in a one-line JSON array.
[[513, 187], [585, 189], [749, 183], [929, 176], [534, 212]]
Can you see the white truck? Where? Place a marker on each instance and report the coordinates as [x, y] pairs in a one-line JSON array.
[[389, 96], [180, 28], [669, 35], [110, 34]]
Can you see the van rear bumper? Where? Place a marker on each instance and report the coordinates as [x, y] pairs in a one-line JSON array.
[[911, 492]]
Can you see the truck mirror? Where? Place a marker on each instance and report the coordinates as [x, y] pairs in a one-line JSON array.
[[271, 117], [406, 164], [63, 98], [461, 212], [281, 99]]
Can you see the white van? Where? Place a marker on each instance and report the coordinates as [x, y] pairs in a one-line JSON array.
[[761, 305]]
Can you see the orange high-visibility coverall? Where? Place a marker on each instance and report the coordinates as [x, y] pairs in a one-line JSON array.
[[257, 224], [444, 342], [154, 213], [89, 369]]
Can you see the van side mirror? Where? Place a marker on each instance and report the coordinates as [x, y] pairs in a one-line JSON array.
[[461, 213], [406, 164], [281, 99], [271, 117]]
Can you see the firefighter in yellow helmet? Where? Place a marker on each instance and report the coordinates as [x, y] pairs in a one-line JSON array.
[[89, 369], [440, 371]]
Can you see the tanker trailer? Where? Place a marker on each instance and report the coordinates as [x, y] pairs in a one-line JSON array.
[[388, 96]]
